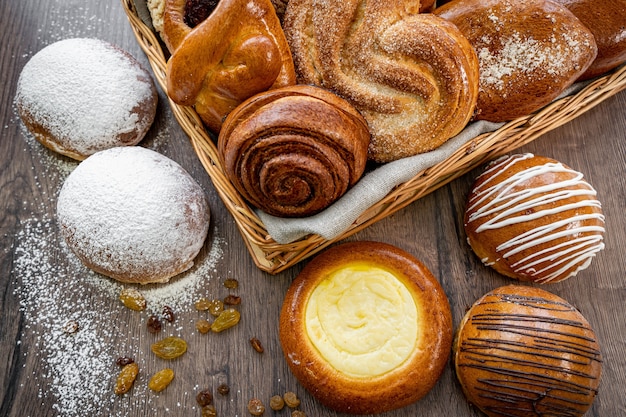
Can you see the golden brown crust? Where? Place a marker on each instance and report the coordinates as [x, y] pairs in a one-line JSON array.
[[238, 51], [412, 76], [404, 385], [523, 351], [293, 151], [607, 22], [534, 219], [529, 52]]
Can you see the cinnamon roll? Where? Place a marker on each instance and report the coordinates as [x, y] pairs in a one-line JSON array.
[[237, 51], [413, 76], [293, 151]]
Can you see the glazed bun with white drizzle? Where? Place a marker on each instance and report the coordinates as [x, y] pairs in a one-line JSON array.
[[533, 218], [366, 328], [133, 214], [523, 351]]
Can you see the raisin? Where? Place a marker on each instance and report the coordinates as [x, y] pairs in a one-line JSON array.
[[126, 378], [133, 299], [231, 283], [153, 324], [256, 407], [161, 380], [196, 11], [70, 326], [291, 399], [223, 389], [169, 348], [226, 320], [168, 314], [232, 300], [216, 307], [202, 304], [204, 398], [209, 411], [124, 360], [277, 403], [203, 326], [298, 413], [256, 345]]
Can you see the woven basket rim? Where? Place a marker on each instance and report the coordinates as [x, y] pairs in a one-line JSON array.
[[273, 257]]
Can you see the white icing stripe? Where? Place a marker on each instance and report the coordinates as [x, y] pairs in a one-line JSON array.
[[581, 242]]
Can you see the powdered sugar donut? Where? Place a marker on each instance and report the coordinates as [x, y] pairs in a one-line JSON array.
[[133, 214], [79, 96]]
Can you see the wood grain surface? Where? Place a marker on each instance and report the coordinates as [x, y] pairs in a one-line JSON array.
[[46, 371]]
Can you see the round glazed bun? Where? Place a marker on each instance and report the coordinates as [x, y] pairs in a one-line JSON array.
[[366, 328], [607, 22], [528, 52], [133, 214], [534, 219], [522, 351], [79, 96]]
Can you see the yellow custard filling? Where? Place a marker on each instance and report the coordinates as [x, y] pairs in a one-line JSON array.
[[363, 320]]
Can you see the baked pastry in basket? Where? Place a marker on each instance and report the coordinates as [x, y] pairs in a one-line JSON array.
[[293, 151], [237, 51], [366, 328], [522, 351], [413, 76], [529, 52], [534, 219]]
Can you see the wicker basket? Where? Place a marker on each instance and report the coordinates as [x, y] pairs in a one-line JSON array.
[[273, 257]]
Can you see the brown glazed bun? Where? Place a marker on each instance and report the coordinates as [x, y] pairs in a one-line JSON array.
[[522, 351], [238, 51], [133, 214], [528, 51], [366, 328], [79, 96], [295, 150], [534, 219], [607, 22], [413, 76]]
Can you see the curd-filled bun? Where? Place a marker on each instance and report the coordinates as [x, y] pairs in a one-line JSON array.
[[366, 328], [607, 22], [528, 51], [522, 351], [79, 96], [534, 219], [133, 214]]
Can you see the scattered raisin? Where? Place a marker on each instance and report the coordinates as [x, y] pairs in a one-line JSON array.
[[124, 360], [126, 378], [226, 320], [133, 299], [256, 407], [70, 326], [209, 411], [277, 403], [153, 324], [203, 326], [169, 348], [291, 399], [232, 300], [256, 344], [202, 304], [168, 314], [231, 283], [298, 413], [223, 389], [216, 307], [161, 380], [204, 398], [197, 11]]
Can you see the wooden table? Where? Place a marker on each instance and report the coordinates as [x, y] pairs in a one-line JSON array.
[[45, 371]]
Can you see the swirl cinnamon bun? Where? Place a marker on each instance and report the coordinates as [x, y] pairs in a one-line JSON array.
[[239, 50], [413, 76], [293, 151]]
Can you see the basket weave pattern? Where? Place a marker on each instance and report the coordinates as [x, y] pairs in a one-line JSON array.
[[273, 257]]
